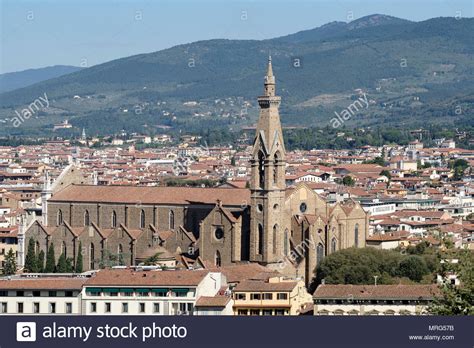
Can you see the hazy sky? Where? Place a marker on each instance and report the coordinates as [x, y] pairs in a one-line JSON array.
[[38, 33]]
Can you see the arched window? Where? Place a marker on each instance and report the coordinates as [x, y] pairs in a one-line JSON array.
[[356, 235], [275, 234], [64, 248], [217, 259], [59, 219], [285, 243], [87, 221], [91, 256], [114, 219], [142, 219], [171, 220], [260, 239], [261, 169], [276, 158], [37, 248], [319, 253], [333, 244]]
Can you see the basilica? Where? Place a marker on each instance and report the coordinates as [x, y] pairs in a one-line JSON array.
[[289, 229]]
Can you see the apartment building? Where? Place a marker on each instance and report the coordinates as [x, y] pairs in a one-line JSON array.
[[115, 292], [41, 295], [130, 292], [276, 296]]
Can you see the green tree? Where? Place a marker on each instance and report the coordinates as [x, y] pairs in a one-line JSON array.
[[413, 267], [377, 160], [9, 267], [457, 300], [462, 163], [30, 259], [358, 266], [50, 260], [386, 173], [79, 266], [427, 165], [40, 261], [459, 166], [448, 243], [152, 260], [110, 259], [420, 248], [69, 265], [62, 264], [348, 181], [361, 265]]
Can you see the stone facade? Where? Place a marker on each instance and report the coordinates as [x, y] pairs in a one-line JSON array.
[[291, 229]]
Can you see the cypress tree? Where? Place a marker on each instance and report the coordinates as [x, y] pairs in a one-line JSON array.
[[69, 265], [30, 259], [79, 266], [50, 260], [40, 261], [10, 263], [62, 264]]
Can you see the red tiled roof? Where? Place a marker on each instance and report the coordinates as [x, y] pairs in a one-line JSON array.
[[256, 285], [129, 277], [240, 272], [343, 291], [152, 195], [382, 238], [216, 301], [53, 283]]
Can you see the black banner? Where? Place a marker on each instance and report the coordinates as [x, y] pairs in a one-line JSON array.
[[214, 331]]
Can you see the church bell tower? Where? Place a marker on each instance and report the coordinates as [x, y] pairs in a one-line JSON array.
[[267, 184]]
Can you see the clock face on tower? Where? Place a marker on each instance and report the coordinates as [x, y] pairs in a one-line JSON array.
[[303, 207]]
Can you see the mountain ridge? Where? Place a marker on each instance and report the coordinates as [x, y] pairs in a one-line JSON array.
[[394, 60], [24, 78]]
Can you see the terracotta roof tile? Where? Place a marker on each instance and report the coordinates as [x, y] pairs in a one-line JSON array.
[[55, 283], [152, 195], [129, 277], [239, 272], [216, 301], [342, 291], [256, 285]]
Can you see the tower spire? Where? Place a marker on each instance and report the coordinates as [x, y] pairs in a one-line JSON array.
[[269, 69], [267, 185], [269, 79]]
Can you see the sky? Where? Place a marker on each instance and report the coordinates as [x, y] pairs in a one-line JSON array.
[[39, 33]]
